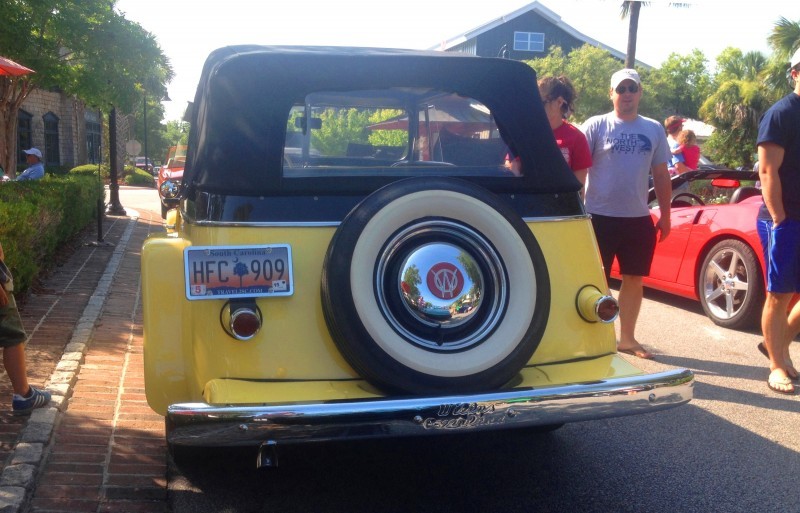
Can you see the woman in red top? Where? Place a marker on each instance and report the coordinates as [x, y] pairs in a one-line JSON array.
[[559, 97]]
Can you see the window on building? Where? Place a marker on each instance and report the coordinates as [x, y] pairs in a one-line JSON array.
[[529, 41], [92, 137], [24, 134], [52, 155]]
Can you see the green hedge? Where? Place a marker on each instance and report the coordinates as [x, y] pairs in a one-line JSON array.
[[91, 170], [37, 217], [140, 177]]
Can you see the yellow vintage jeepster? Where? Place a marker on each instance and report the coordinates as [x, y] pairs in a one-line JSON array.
[[352, 257]]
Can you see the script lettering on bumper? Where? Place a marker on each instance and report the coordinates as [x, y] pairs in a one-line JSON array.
[[464, 416]]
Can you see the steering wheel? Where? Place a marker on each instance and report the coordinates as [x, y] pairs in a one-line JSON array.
[[688, 195]]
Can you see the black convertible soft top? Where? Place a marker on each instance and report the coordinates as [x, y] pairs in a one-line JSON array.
[[238, 121]]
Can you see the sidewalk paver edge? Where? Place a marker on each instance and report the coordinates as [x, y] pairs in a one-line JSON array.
[[19, 477]]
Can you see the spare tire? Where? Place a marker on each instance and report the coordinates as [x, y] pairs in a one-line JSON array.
[[435, 285]]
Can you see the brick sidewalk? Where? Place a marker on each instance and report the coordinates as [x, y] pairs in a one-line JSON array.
[[105, 450]]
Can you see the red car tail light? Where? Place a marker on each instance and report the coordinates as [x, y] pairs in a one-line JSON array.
[[726, 183]]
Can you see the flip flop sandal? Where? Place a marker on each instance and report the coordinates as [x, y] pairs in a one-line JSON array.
[[639, 353], [762, 348], [773, 384]]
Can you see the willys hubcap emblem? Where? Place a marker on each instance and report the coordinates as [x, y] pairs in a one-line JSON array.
[[445, 280]]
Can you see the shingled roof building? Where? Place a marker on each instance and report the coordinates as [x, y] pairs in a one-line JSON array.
[[527, 33]]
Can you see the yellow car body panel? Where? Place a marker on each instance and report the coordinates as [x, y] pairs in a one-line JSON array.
[[233, 391], [186, 347]]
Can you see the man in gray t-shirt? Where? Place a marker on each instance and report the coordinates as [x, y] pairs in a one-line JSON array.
[[626, 149]]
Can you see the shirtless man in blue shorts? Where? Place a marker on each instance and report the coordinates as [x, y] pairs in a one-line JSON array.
[[779, 229]]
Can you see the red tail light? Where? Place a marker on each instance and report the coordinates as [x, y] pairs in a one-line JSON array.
[[241, 319]]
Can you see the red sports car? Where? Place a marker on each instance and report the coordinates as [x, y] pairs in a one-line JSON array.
[[713, 252], [170, 177]]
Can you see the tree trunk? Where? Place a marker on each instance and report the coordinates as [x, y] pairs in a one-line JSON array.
[[8, 133], [114, 206], [13, 92], [633, 29]]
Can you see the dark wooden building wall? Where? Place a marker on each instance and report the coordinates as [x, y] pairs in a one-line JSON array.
[[490, 43]]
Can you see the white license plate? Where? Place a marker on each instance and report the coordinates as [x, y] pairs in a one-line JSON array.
[[216, 272]]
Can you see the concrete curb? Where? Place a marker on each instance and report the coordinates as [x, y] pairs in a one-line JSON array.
[[18, 479]]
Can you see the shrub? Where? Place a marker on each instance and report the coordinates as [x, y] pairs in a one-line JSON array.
[[140, 177], [90, 170], [37, 217]]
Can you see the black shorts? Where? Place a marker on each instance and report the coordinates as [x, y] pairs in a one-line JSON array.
[[632, 240]]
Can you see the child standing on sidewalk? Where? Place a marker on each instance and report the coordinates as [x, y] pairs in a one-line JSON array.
[[12, 340]]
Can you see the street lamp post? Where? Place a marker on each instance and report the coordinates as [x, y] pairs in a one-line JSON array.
[[144, 119]]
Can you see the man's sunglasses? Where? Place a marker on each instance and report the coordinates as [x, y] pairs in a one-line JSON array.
[[633, 88]]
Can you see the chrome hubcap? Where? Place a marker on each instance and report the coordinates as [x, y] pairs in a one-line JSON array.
[[441, 285]]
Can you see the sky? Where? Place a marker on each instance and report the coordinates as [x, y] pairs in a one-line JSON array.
[[188, 30]]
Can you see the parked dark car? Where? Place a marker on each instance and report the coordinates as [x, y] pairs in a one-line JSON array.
[[145, 164]]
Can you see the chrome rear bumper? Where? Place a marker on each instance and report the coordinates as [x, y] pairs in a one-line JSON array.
[[202, 424]]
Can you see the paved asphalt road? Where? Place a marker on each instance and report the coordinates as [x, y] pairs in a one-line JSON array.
[[734, 448]]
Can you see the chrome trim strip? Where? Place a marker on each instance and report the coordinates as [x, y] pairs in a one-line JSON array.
[[202, 424], [317, 224], [556, 219], [283, 224]]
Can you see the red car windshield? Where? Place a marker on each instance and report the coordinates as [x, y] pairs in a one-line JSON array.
[[176, 157]]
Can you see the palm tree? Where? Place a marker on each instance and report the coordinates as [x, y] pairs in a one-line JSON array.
[[630, 9], [736, 106], [785, 38]]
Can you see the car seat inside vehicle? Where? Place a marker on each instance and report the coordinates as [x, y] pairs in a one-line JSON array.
[[743, 193]]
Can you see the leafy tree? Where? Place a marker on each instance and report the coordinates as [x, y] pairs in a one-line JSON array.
[[339, 127], [679, 86], [343, 126], [736, 107], [784, 41], [173, 133], [411, 280], [741, 97], [785, 38], [583, 66], [157, 143], [85, 49], [387, 137]]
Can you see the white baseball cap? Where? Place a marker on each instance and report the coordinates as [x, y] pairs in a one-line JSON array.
[[35, 152], [795, 59], [624, 74]]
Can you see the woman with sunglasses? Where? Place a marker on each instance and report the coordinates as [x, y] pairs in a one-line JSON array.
[[626, 149], [558, 97]]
